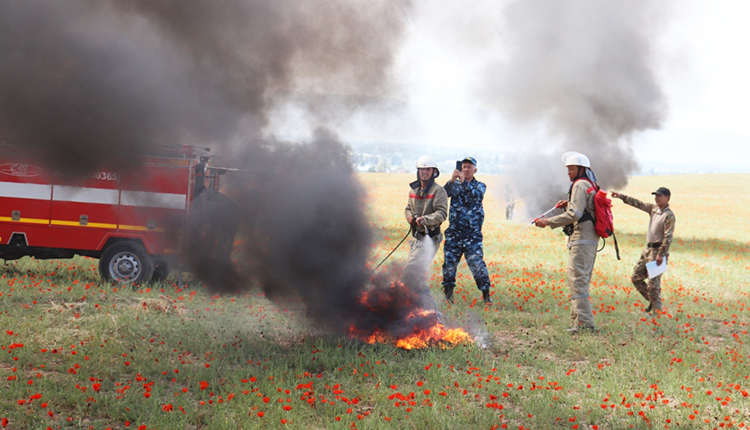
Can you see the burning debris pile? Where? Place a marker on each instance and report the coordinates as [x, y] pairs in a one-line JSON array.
[[393, 313], [318, 249]]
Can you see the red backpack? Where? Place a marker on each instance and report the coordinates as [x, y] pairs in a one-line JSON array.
[[603, 220]]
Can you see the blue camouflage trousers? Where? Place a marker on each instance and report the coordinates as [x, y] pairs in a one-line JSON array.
[[470, 246]]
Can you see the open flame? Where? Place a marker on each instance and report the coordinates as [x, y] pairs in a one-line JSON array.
[[394, 314]]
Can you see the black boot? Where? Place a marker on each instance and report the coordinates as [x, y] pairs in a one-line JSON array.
[[448, 294], [486, 297]]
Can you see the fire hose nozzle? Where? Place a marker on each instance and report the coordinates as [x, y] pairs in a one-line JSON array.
[[557, 206]]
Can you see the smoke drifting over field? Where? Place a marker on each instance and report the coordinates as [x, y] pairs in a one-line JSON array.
[[87, 80], [585, 71], [98, 83]]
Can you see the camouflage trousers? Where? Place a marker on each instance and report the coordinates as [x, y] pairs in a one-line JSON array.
[[581, 260], [470, 246], [650, 290], [421, 253]]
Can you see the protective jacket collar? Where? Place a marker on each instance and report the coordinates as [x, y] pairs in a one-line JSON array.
[[415, 185]]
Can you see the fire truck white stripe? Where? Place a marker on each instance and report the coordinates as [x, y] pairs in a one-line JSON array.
[[61, 193], [153, 200], [92, 195], [25, 191]]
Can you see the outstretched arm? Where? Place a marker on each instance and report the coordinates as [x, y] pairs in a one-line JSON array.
[[632, 201]]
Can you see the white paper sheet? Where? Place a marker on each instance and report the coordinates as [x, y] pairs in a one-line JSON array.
[[654, 270]]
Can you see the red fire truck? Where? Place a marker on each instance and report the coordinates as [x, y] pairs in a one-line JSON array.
[[131, 220]]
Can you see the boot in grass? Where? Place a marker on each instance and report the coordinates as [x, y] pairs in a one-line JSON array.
[[486, 297], [582, 329], [448, 294]]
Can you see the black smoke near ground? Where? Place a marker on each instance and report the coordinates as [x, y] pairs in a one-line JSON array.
[[305, 231], [98, 84], [585, 72]]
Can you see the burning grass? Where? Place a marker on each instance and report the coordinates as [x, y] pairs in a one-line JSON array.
[[78, 354]]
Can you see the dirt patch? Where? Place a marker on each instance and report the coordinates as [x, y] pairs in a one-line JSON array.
[[156, 304]]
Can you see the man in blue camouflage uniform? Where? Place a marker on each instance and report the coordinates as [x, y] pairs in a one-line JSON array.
[[464, 235]]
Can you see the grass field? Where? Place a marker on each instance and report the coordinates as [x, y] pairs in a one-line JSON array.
[[78, 354]]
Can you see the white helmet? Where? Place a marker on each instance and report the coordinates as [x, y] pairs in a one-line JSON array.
[[576, 159], [426, 161]]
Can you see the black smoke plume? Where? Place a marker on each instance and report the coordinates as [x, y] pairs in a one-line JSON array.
[[584, 72], [100, 83], [305, 232], [103, 81]]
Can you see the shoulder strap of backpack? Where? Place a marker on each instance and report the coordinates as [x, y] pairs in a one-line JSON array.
[[586, 214], [593, 186]]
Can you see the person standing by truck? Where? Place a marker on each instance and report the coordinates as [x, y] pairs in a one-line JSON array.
[[659, 238]]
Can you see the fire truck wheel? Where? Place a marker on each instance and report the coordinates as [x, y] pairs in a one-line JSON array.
[[126, 263]]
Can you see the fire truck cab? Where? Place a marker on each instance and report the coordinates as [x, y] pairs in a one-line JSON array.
[[132, 220]]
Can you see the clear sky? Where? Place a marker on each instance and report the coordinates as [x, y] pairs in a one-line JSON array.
[[700, 57]]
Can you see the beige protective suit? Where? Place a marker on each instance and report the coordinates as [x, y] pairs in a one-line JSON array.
[[432, 204], [581, 251]]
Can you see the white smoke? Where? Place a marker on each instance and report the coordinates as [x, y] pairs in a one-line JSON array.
[[586, 73]]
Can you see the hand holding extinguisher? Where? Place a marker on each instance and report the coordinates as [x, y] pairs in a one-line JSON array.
[[542, 222]]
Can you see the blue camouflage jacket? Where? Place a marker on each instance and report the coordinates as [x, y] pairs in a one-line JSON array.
[[466, 213]]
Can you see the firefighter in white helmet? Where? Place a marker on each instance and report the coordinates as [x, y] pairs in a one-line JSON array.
[[578, 222], [426, 209]]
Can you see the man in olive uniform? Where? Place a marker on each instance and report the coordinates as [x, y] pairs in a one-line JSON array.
[[582, 241], [425, 210], [659, 238], [464, 234]]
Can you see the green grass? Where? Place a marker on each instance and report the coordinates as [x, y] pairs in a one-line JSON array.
[[181, 358]]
